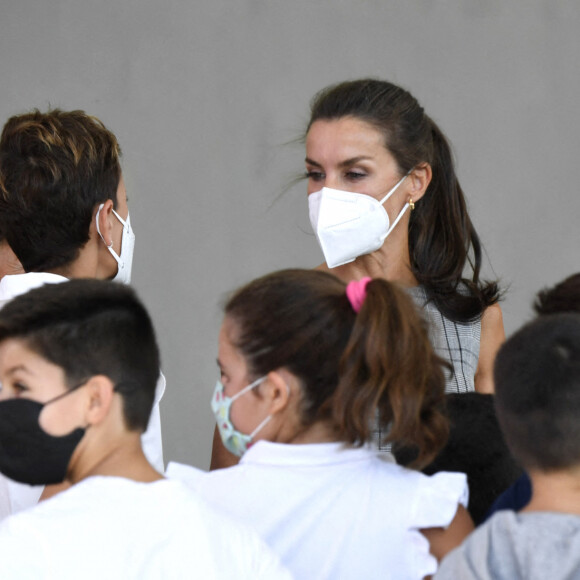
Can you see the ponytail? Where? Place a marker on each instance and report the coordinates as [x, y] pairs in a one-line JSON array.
[[389, 367], [442, 239]]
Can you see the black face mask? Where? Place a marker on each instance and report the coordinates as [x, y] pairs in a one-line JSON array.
[[28, 454]]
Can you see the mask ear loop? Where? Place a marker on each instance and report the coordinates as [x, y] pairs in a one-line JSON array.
[[269, 417], [120, 218], [109, 246], [405, 207], [262, 424], [247, 388], [67, 392], [394, 188]]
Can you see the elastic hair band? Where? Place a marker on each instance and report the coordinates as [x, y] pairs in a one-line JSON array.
[[356, 292]]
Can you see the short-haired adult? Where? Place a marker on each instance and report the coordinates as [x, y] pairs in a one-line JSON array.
[[64, 214], [79, 365]]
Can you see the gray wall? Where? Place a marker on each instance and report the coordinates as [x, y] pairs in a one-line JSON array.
[[204, 97]]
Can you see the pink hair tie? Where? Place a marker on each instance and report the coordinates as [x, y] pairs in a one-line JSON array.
[[356, 292]]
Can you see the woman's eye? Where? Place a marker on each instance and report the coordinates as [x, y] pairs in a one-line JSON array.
[[355, 175], [314, 175]]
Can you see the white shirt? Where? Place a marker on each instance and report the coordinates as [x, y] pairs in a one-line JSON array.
[[112, 527], [15, 497], [334, 512]]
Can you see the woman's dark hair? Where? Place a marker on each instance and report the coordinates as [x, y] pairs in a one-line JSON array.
[[350, 365], [441, 236]]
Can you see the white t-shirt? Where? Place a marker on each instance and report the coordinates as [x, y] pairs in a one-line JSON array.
[[334, 512], [14, 496], [109, 527]]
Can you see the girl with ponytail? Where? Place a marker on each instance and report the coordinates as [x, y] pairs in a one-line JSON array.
[[307, 363]]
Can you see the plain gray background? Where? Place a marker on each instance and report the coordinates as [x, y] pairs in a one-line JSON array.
[[206, 96]]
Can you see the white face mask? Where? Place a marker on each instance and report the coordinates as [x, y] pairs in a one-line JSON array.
[[348, 225], [125, 260]]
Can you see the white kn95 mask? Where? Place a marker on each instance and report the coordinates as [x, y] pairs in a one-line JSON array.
[[348, 225]]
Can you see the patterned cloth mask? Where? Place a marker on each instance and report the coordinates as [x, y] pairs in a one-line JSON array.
[[234, 441]]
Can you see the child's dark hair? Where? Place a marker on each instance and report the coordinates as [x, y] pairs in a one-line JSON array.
[[537, 382], [442, 239], [350, 365], [88, 328], [563, 297]]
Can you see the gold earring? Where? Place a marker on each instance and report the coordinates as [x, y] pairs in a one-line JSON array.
[[411, 204]]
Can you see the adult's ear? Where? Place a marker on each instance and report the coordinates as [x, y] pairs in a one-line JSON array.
[[100, 392], [105, 221], [419, 180]]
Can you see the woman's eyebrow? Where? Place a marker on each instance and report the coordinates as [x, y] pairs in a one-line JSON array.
[[345, 163], [354, 160], [311, 162]]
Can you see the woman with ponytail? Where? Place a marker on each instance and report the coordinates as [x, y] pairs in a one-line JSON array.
[[306, 364], [375, 160]]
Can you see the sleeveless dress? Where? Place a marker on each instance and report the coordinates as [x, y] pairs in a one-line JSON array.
[[457, 342]]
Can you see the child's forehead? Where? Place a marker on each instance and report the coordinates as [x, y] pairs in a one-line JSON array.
[[18, 354]]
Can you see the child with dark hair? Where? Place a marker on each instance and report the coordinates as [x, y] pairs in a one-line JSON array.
[[537, 378], [563, 297], [79, 365], [307, 362]]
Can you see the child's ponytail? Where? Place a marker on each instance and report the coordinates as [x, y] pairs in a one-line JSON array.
[[389, 366]]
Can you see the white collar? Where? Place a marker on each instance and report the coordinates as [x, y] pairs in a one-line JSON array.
[[15, 284], [307, 454]]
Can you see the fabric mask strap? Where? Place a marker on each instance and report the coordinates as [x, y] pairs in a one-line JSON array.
[[248, 388], [66, 393], [264, 422], [267, 419]]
